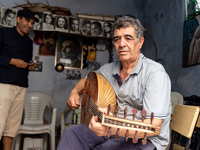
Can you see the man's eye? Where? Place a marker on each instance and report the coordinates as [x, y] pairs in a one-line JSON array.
[[116, 40], [128, 39]]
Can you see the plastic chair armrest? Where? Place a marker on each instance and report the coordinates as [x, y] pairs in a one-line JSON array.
[[53, 122]]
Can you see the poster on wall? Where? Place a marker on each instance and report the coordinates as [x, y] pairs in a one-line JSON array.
[[97, 28], [93, 65], [61, 23], [74, 25], [48, 21], [85, 26], [39, 64], [47, 42], [107, 29], [191, 42], [73, 74], [69, 51], [8, 17], [38, 24]]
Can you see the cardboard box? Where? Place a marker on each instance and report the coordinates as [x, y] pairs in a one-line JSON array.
[[33, 144]]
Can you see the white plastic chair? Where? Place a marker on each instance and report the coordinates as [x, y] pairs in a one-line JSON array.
[[176, 98], [34, 107], [63, 116], [62, 119]]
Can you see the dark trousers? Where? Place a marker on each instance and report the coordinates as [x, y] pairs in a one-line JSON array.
[[80, 137]]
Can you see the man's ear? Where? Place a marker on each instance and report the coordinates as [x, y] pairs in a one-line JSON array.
[[141, 42], [18, 19]]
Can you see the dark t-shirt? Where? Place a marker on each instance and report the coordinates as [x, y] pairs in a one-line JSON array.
[[13, 45]]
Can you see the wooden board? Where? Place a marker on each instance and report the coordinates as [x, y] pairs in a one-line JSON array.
[[184, 119], [198, 122]]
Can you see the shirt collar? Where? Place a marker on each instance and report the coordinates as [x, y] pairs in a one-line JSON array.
[[138, 66], [14, 28], [136, 69]]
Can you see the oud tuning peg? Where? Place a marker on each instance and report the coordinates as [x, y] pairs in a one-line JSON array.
[[127, 131], [109, 132], [126, 135], [108, 111], [152, 117], [144, 112], [134, 139], [134, 111], [125, 112], [116, 112], [117, 134], [144, 140]]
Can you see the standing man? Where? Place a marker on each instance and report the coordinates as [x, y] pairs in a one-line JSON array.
[[15, 63], [138, 83]]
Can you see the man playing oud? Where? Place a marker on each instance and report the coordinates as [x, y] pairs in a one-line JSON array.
[[138, 83]]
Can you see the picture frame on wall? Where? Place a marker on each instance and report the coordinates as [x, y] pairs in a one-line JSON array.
[[107, 29], [38, 24], [69, 51], [48, 21], [191, 42], [61, 23], [96, 28], [85, 27], [8, 17], [74, 25]]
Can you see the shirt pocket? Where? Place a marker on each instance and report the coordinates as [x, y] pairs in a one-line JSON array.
[[136, 100]]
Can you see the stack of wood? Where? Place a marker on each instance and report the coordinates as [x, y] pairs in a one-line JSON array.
[[40, 7]]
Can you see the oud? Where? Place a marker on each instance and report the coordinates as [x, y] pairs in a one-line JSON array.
[[98, 92]]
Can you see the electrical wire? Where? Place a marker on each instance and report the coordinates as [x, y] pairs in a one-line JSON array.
[[154, 45]]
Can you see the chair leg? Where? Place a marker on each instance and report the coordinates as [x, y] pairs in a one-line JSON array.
[[52, 141], [45, 141], [173, 133], [18, 141], [188, 144], [198, 138]]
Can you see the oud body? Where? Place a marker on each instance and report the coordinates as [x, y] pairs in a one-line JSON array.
[[97, 93]]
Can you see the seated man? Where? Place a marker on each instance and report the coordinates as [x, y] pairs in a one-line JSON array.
[[138, 83]]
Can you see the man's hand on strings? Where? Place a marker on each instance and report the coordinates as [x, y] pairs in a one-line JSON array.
[[96, 126]]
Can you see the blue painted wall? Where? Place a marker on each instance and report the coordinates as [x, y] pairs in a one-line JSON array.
[[49, 80], [163, 21]]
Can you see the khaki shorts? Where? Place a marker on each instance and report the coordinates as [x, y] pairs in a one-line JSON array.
[[11, 108]]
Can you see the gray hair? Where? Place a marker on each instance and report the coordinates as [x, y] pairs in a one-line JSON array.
[[126, 21]]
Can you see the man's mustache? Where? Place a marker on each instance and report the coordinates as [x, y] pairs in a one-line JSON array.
[[123, 49]]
